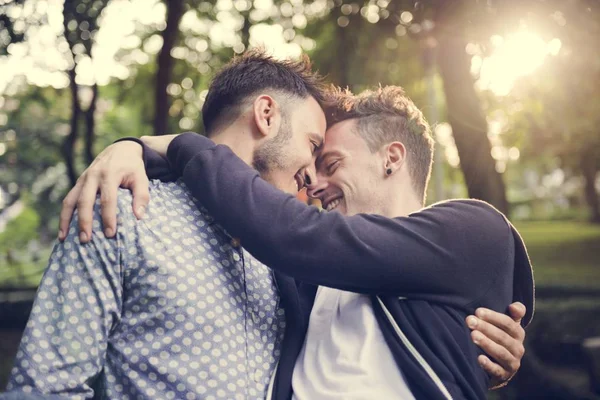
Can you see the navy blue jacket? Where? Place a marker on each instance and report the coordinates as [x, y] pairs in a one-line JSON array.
[[425, 272]]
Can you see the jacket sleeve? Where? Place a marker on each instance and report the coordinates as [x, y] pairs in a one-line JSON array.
[[451, 252]]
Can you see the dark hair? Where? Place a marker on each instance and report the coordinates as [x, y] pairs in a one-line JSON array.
[[386, 115], [250, 73]]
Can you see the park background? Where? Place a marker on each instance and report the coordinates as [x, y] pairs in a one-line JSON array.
[[511, 87]]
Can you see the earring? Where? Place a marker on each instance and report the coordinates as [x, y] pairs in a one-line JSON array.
[[388, 171]]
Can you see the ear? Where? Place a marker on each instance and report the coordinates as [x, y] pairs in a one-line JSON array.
[[267, 115], [394, 157]]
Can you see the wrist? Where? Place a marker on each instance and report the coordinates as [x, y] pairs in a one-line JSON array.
[[136, 146], [160, 144]]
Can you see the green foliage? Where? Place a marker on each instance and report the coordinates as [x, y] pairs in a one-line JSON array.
[[81, 23], [32, 160], [21, 230], [24, 275], [551, 118], [11, 31], [563, 253], [21, 255]]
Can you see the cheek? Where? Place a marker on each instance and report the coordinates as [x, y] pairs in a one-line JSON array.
[[284, 181], [359, 180], [301, 158], [297, 154]]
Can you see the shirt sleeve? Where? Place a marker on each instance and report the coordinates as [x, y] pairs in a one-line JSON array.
[[452, 252], [77, 304]]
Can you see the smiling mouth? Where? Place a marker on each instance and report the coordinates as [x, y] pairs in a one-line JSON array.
[[332, 205]]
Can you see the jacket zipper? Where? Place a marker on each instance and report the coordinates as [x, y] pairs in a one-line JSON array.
[[438, 382]]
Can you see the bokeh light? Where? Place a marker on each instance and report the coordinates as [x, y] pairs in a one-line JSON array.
[[514, 56]]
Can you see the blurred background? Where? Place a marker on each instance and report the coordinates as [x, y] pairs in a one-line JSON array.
[[511, 87]]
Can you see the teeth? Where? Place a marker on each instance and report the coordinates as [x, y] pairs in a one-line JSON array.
[[333, 204]]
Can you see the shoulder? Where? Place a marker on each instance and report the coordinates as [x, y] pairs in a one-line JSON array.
[[467, 206], [166, 198], [174, 199], [474, 226], [466, 213], [172, 211]]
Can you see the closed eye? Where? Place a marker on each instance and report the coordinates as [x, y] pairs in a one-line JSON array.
[[315, 147], [331, 167]]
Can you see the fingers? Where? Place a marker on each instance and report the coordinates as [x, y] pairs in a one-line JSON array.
[[517, 311], [118, 164], [500, 329], [498, 352], [141, 194], [502, 321], [108, 204], [497, 374], [85, 206], [67, 210], [501, 346], [492, 332], [501, 337]]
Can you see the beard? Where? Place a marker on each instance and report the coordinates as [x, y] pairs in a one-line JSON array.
[[270, 155]]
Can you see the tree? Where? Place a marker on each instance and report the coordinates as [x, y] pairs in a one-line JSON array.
[[464, 110], [558, 114], [165, 62], [80, 21]]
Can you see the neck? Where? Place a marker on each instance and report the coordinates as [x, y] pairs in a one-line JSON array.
[[239, 139], [401, 200], [404, 206]]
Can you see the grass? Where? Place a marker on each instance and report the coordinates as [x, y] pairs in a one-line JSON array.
[[563, 253]]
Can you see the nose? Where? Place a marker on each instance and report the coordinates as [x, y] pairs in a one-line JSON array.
[[316, 188], [310, 177]]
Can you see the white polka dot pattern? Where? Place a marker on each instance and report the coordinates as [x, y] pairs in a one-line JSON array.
[[171, 309]]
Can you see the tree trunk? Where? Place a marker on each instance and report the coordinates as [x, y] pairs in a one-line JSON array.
[[90, 126], [68, 146], [346, 39], [589, 169], [245, 31], [165, 63], [467, 118], [341, 71]]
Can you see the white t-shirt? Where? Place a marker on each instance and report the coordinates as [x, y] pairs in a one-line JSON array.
[[345, 355]]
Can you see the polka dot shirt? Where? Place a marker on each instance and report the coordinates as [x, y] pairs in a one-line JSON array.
[[172, 308]]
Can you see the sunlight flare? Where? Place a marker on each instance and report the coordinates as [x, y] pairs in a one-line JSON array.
[[514, 56]]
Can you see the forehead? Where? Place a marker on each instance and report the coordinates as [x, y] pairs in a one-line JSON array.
[[342, 137], [308, 114]]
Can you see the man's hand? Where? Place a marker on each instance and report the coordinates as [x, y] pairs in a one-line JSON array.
[[120, 164], [501, 337]]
